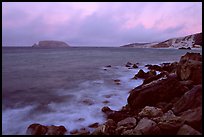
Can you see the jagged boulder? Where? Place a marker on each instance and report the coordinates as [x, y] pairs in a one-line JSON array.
[[142, 74], [187, 130], [150, 94], [127, 122], [147, 127], [150, 112], [193, 117], [190, 67], [191, 99]]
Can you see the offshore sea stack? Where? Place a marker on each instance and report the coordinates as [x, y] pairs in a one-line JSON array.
[[51, 44]]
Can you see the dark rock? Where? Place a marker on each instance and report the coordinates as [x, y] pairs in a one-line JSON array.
[[187, 83], [154, 67], [38, 129], [169, 67], [88, 102], [191, 99], [114, 115], [108, 66], [185, 48], [192, 56], [117, 81], [134, 66], [94, 125], [120, 129], [161, 91], [110, 126], [190, 67], [73, 132], [56, 130], [193, 117], [129, 63], [142, 74], [101, 130], [117, 116], [169, 123], [187, 130], [150, 112], [109, 95], [106, 110], [82, 131], [155, 77], [129, 122], [147, 127], [80, 119], [106, 102]]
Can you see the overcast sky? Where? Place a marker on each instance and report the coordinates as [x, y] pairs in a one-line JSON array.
[[98, 23]]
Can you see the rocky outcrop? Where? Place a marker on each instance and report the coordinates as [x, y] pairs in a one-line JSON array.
[[127, 122], [164, 104], [51, 44], [168, 67], [38, 129], [193, 117], [114, 115], [142, 74], [187, 130], [150, 112], [190, 68], [191, 99], [147, 127], [150, 94]]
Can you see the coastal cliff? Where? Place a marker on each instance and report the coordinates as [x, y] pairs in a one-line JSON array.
[[186, 42]]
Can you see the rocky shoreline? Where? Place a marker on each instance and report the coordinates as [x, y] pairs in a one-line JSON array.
[[168, 103]]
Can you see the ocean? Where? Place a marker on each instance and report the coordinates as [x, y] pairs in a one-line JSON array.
[[69, 86]]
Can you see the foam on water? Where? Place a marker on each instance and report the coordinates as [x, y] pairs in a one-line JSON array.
[[83, 109]]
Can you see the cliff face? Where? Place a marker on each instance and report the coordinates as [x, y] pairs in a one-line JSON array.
[[51, 44], [190, 41]]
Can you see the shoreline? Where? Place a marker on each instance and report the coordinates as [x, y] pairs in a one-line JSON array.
[[152, 117]]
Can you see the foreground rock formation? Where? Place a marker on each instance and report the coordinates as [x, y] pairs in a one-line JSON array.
[[50, 44], [166, 104], [169, 103]]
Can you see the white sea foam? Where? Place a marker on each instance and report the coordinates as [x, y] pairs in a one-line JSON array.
[[85, 106]]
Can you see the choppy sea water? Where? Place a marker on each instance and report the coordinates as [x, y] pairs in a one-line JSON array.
[[69, 86]]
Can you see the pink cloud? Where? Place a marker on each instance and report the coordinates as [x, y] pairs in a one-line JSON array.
[[117, 20]]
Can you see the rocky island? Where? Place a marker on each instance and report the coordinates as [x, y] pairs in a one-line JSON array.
[[51, 44]]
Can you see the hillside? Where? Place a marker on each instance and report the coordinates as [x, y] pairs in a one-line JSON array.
[[190, 41]]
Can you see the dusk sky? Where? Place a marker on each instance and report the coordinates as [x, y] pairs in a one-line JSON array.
[[98, 23]]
